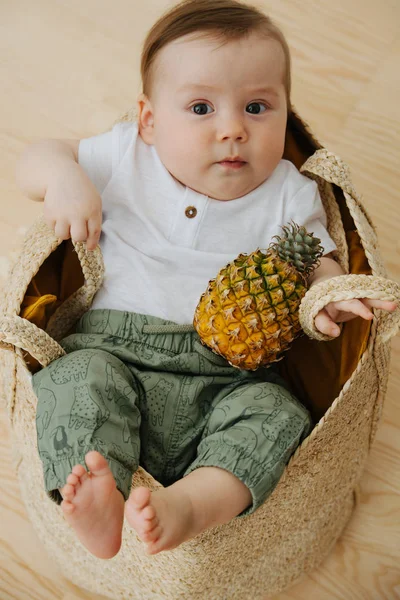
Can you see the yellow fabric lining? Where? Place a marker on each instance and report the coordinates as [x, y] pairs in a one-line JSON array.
[[37, 310], [58, 278]]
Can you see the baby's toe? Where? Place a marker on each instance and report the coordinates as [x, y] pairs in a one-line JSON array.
[[67, 507], [80, 471], [140, 498], [68, 492], [154, 547], [73, 479], [149, 513], [153, 535], [148, 525]]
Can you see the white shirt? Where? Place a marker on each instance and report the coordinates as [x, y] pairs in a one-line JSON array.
[[157, 260]]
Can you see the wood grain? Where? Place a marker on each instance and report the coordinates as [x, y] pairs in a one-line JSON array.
[[69, 69]]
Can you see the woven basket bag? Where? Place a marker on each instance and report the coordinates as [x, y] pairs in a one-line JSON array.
[[264, 553]]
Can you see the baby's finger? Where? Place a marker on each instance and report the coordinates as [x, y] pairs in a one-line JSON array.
[[94, 231], [62, 230], [79, 231], [354, 307], [325, 325], [381, 304]]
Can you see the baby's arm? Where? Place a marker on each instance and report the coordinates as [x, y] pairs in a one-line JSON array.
[[48, 170], [345, 310]]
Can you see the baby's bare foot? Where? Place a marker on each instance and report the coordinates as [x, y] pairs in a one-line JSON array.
[[94, 506], [162, 519]]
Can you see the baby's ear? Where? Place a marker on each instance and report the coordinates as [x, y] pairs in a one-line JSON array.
[[145, 119]]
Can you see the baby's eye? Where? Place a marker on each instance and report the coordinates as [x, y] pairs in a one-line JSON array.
[[255, 108], [200, 108]]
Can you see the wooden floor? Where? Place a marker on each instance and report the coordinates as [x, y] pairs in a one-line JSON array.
[[69, 68]]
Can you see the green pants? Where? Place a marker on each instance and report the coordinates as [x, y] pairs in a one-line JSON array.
[[143, 391]]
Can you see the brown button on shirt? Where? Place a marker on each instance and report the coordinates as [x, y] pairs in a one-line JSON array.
[[190, 212]]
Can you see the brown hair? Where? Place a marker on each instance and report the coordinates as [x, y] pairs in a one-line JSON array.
[[224, 19]]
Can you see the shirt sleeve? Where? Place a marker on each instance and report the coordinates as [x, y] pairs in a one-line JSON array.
[[306, 209], [95, 157], [101, 155]]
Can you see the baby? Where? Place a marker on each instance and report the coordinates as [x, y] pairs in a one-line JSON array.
[[197, 180]]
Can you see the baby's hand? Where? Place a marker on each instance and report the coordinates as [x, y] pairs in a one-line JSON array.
[[345, 310], [73, 207]]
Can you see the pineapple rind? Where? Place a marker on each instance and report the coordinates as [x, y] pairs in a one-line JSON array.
[[249, 313]]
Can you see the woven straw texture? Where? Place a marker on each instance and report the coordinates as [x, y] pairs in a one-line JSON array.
[[295, 529]]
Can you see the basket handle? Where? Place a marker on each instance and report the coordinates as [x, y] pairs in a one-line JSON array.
[[330, 167], [347, 287], [39, 242], [333, 169], [27, 336]]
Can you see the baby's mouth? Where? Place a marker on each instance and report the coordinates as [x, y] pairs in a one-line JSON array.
[[232, 164]]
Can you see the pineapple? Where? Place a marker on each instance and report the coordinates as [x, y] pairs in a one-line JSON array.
[[250, 311]]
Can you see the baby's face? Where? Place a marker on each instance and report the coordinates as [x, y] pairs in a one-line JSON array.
[[211, 104]]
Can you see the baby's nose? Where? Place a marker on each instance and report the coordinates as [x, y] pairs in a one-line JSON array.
[[232, 129]]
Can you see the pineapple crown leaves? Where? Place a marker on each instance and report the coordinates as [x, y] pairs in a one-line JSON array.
[[298, 247]]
